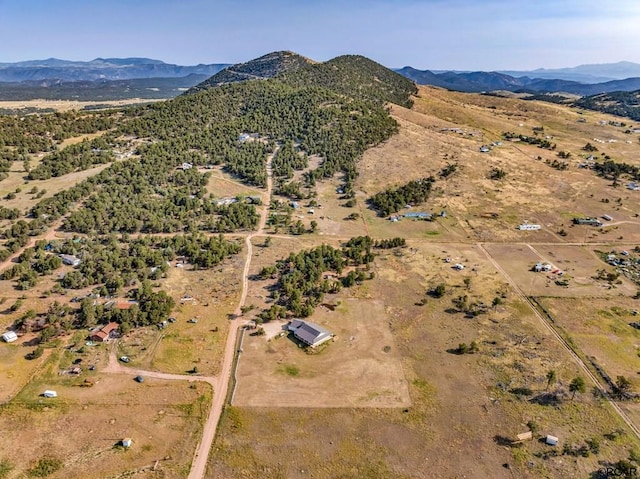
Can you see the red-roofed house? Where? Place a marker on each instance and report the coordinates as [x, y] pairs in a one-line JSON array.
[[105, 333]]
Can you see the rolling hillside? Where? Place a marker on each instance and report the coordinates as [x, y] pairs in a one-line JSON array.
[[626, 104], [351, 75], [266, 66], [475, 82]]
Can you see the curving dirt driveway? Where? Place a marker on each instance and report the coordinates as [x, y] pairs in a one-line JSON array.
[[199, 465]]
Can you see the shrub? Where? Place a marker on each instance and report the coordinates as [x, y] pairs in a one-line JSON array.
[[45, 467]]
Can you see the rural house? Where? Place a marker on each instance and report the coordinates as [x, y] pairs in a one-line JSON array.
[[309, 333], [70, 260], [104, 333]]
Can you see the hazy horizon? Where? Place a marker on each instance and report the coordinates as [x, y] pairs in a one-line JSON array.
[[425, 34]]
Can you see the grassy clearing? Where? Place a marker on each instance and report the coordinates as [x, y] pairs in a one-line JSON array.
[[201, 344]]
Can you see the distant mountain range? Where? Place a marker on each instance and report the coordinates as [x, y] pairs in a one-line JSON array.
[[594, 73], [100, 69], [491, 81], [113, 77], [99, 90]]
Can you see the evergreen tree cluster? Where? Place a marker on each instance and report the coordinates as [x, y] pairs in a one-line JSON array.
[[390, 243], [621, 103], [392, 200], [31, 264], [614, 170], [41, 133], [357, 77], [112, 263], [288, 160], [80, 156], [531, 140], [301, 282], [151, 308]]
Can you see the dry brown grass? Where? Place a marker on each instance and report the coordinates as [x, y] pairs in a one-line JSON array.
[[82, 427], [532, 191], [66, 105], [458, 403], [359, 368], [185, 345], [578, 263]]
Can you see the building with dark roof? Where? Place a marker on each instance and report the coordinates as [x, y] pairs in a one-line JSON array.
[[309, 333]]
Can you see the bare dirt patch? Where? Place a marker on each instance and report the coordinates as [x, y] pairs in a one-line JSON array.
[[359, 368]]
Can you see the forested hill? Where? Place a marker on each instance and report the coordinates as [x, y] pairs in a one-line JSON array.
[[334, 111], [351, 75], [355, 76], [266, 66], [617, 103]]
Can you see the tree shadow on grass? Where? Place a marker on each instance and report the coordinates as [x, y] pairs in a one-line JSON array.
[[546, 399]]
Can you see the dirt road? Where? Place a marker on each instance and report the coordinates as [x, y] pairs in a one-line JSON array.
[[199, 465], [114, 367]]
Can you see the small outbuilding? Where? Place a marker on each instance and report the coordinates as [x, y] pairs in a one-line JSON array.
[[50, 394], [126, 442], [525, 436], [551, 440], [9, 337]]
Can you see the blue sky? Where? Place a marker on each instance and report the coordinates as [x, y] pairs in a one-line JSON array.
[[434, 34]]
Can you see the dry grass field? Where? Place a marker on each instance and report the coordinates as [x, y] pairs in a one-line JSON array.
[[185, 345], [579, 265], [466, 405], [83, 426], [24, 200], [222, 185], [459, 403], [66, 105], [531, 191]]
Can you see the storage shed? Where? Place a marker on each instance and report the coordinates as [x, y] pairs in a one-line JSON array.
[[9, 337]]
